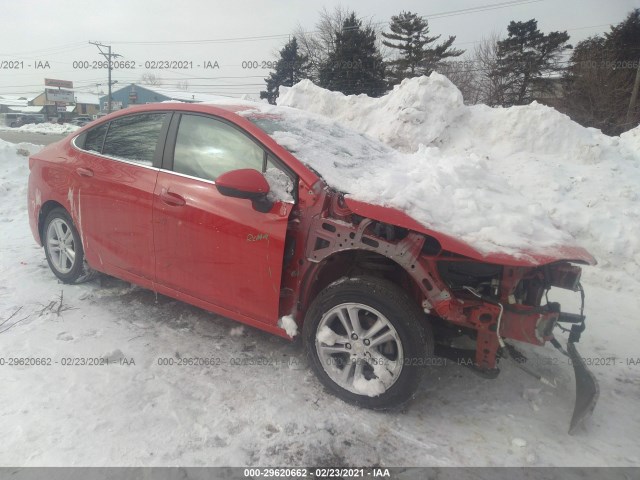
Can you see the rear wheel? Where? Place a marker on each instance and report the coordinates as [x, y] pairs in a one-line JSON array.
[[367, 342], [63, 248]]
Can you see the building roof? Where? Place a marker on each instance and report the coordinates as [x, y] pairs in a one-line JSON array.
[[26, 109], [13, 101], [87, 98], [170, 94]]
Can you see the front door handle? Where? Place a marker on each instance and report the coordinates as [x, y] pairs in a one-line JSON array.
[[84, 172], [172, 199]]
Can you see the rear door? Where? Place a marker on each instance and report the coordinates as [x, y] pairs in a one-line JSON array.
[[216, 248], [119, 164]]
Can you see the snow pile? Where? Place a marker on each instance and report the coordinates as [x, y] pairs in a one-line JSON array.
[[429, 106], [585, 181], [454, 194], [46, 128]]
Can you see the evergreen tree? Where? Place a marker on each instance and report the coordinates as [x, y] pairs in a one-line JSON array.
[[525, 58], [355, 64], [600, 78], [416, 54], [290, 68]]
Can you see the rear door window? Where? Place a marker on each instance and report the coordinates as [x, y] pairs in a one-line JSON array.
[[134, 138]]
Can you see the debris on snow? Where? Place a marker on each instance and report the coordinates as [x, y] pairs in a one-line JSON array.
[[519, 442], [237, 331]]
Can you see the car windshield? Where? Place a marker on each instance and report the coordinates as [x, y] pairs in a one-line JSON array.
[[321, 144]]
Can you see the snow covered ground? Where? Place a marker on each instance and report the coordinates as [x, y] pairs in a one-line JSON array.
[[259, 404], [45, 128]]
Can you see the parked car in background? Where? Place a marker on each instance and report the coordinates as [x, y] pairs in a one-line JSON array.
[[201, 203], [81, 121], [26, 119]]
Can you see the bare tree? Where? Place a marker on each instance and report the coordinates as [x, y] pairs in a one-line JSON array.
[[490, 88], [183, 85], [463, 75], [150, 79], [318, 44]]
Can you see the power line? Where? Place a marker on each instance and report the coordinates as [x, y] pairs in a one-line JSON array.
[[450, 13]]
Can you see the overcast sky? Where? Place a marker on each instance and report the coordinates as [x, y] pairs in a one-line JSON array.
[[34, 32]]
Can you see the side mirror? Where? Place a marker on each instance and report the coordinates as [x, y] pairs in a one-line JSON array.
[[246, 183]]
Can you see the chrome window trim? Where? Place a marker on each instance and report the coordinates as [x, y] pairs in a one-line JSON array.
[[108, 157], [212, 182]]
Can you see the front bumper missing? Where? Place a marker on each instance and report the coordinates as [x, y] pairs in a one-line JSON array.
[[587, 389]]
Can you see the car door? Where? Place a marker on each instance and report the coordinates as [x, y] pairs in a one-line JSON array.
[[118, 167], [209, 246]]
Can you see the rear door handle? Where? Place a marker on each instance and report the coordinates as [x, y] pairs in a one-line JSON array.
[[172, 199], [84, 172]]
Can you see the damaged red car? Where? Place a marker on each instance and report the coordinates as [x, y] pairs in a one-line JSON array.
[[203, 203]]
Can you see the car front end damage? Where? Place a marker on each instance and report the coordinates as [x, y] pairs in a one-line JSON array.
[[502, 302], [485, 298]]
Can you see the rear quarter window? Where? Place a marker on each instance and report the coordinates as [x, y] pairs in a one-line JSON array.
[[94, 138]]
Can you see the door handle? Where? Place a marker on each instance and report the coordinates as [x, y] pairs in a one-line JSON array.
[[84, 172], [172, 199]]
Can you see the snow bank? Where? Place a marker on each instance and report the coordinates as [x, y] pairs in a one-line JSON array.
[[584, 181], [429, 106], [455, 194], [46, 128]]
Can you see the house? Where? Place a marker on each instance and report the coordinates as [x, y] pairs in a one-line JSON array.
[[12, 104], [85, 104]]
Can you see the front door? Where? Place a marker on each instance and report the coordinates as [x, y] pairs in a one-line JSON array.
[[216, 248]]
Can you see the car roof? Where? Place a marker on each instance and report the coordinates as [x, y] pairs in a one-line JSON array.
[[227, 111]]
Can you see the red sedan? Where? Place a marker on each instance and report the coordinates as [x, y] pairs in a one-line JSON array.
[[200, 203]]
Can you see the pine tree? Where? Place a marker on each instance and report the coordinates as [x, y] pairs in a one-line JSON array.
[[290, 68], [355, 65], [600, 78], [525, 58], [416, 54]]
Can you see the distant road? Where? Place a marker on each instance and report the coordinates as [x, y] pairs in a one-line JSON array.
[[29, 137]]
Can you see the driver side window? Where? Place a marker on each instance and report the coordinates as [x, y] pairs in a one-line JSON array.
[[206, 148]]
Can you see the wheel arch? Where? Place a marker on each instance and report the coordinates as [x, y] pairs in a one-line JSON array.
[[355, 262], [47, 207]]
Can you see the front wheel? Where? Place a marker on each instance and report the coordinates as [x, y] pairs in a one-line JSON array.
[[367, 342], [63, 248]]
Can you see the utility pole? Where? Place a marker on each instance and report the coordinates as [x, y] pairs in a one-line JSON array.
[[108, 55]]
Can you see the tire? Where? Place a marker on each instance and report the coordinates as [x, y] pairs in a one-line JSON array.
[[383, 373], [63, 248], [13, 125]]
